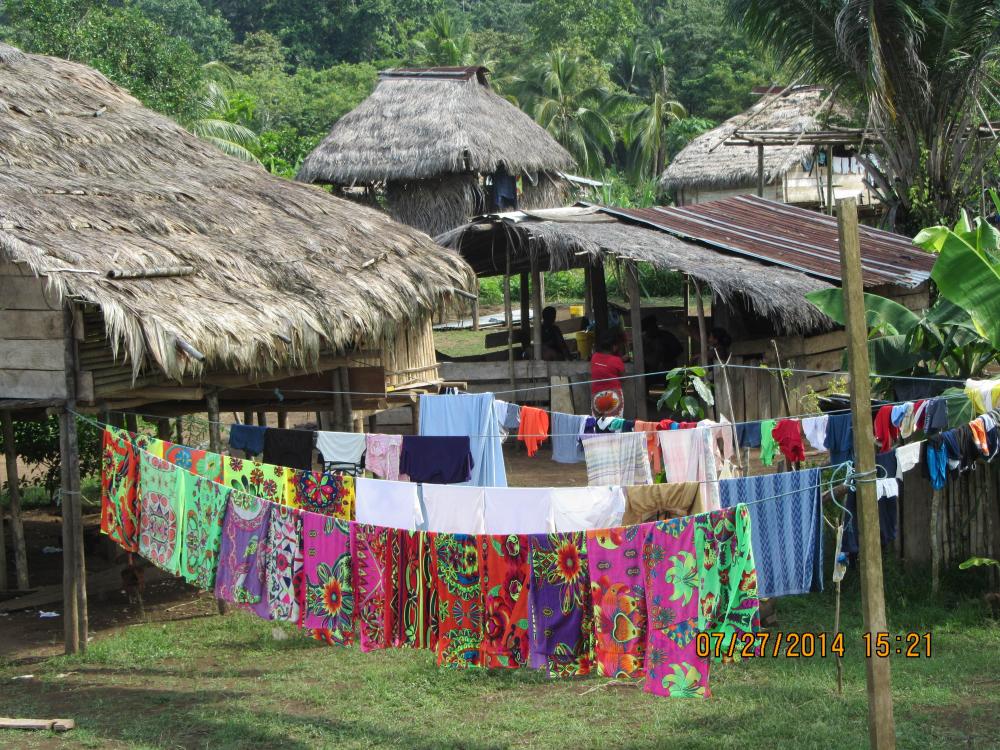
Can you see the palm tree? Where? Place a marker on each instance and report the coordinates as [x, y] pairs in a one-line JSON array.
[[574, 113], [209, 122], [443, 43], [646, 128], [924, 69]]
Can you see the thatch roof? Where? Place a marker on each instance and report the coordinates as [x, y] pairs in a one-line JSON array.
[[570, 237], [420, 124], [92, 181], [706, 162]]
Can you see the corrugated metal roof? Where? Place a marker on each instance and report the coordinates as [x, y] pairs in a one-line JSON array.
[[789, 236]]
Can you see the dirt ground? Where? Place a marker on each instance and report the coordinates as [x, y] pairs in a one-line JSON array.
[[25, 636]]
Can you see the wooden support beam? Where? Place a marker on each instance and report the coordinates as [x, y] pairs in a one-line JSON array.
[[132, 423], [178, 393], [588, 295], [536, 309], [525, 311], [829, 180], [262, 418], [16, 524], [599, 294], [508, 312], [282, 420], [475, 309], [638, 356], [163, 429], [179, 428], [74, 579], [247, 417], [881, 726], [215, 446], [702, 323], [760, 170]]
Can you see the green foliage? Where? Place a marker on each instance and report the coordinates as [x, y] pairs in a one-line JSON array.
[[602, 28], [133, 51], [205, 31], [444, 42], [37, 444], [978, 562], [260, 50], [687, 393]]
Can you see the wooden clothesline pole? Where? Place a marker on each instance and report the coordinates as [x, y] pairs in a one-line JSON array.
[[881, 726]]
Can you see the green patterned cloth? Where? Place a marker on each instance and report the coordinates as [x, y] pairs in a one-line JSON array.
[[204, 510]]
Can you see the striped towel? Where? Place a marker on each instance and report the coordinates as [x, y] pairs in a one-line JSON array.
[[617, 459]]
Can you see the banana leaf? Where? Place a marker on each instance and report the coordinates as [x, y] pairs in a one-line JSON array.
[[879, 312]]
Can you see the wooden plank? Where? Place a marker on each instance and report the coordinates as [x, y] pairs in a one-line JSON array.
[[27, 293], [499, 338], [32, 384], [500, 371], [561, 398], [32, 355], [53, 725], [30, 324]]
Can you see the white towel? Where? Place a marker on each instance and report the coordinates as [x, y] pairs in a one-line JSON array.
[[385, 503], [341, 447], [455, 508], [814, 428], [585, 508], [907, 456], [519, 510]]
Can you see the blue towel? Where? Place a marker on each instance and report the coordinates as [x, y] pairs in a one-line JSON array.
[[470, 414], [840, 438], [786, 529], [748, 435], [566, 446], [888, 508], [248, 438]]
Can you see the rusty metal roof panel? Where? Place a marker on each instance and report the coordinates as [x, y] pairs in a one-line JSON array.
[[788, 236]]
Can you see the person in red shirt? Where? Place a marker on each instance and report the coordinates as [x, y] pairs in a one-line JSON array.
[[606, 369]]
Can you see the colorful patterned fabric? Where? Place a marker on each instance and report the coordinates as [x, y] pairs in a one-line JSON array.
[[153, 446], [700, 578], [198, 462], [728, 577], [204, 510], [459, 592], [505, 564], [618, 591], [327, 594], [673, 666], [242, 574], [261, 480], [559, 604], [328, 492], [372, 552], [415, 591], [161, 512], [283, 562], [617, 459], [120, 489]]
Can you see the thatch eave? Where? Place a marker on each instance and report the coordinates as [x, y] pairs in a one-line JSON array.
[[94, 182], [773, 292]]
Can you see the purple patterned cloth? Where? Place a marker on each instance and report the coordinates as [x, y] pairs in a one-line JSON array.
[[242, 574], [618, 590], [560, 609]]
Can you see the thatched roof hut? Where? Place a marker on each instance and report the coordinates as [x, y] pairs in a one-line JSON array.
[[258, 273], [708, 164], [428, 135]]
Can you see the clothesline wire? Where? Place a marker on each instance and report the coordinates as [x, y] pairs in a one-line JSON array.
[[835, 467], [572, 434], [636, 375], [851, 476]]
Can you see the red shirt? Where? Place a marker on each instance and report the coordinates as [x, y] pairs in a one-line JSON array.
[[605, 369]]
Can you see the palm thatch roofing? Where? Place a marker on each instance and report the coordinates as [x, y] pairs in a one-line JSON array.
[[708, 163], [558, 239], [425, 123], [94, 182]]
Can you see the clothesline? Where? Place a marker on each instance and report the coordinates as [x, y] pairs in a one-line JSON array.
[[567, 434], [850, 476], [636, 375]]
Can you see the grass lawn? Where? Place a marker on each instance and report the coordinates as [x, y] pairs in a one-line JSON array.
[[224, 682]]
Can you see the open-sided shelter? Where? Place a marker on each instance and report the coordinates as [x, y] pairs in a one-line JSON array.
[[141, 268], [443, 146], [749, 262], [786, 136]]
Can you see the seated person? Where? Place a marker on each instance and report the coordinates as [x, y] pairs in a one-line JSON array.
[[661, 349], [554, 346]]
